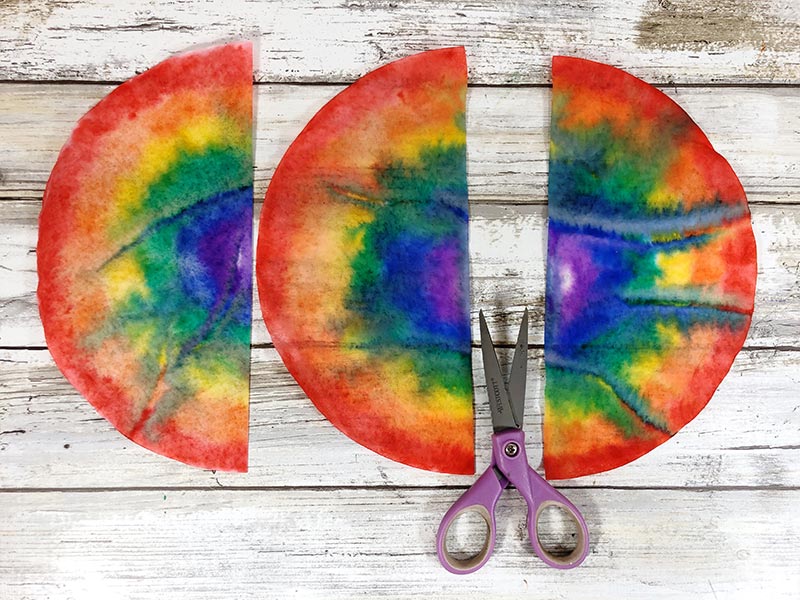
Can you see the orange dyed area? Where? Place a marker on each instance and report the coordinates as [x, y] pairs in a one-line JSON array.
[[679, 382], [722, 271], [650, 125], [598, 93], [590, 443], [318, 197], [698, 175]]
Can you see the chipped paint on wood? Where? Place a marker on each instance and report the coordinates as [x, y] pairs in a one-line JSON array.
[[719, 26], [507, 41], [378, 543], [293, 445]]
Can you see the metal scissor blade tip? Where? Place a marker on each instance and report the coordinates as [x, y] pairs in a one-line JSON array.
[[522, 337], [518, 375], [502, 412], [486, 337]]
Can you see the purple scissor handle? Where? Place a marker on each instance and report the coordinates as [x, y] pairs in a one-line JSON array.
[[509, 466]]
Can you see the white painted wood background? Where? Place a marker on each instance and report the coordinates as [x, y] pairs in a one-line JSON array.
[[711, 514]]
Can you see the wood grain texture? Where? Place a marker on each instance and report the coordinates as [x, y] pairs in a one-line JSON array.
[[507, 41], [507, 262], [379, 543], [756, 130], [712, 513], [748, 435]]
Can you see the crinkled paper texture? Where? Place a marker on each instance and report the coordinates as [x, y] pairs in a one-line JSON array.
[[144, 257], [362, 262], [651, 270]]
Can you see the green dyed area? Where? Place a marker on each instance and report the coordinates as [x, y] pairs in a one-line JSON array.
[[578, 395], [613, 352], [646, 331], [166, 319], [191, 179], [644, 271], [448, 370], [598, 170], [421, 209], [440, 170]]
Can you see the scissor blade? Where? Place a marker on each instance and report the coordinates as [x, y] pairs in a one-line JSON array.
[[519, 372], [502, 415]]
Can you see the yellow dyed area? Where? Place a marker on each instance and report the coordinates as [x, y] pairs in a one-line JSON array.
[[676, 268], [425, 413], [643, 368], [443, 402], [407, 148], [554, 150], [662, 197], [216, 381], [403, 381], [331, 251], [162, 358], [400, 376], [647, 365], [355, 243], [669, 334], [159, 154], [667, 237], [220, 406], [142, 337], [123, 278], [353, 334]]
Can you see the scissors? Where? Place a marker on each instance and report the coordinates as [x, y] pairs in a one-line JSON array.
[[509, 465]]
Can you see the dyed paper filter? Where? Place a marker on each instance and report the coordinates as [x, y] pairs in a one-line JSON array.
[[362, 262], [651, 270], [144, 257]]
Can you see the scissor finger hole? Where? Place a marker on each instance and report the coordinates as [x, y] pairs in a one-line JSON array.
[[467, 539], [559, 533]]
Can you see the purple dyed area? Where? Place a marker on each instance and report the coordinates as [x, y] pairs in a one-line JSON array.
[[573, 275], [443, 282], [215, 252]]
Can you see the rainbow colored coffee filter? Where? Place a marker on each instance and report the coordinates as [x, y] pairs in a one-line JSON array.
[[362, 262], [651, 270], [145, 259]]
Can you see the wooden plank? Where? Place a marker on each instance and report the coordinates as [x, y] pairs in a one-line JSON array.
[[507, 42], [507, 262], [748, 435], [507, 135], [380, 544]]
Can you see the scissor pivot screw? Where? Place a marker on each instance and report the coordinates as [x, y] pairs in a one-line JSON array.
[[511, 449]]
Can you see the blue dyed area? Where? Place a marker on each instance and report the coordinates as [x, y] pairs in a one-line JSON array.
[[214, 250], [410, 282], [407, 258], [609, 308], [407, 295]]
